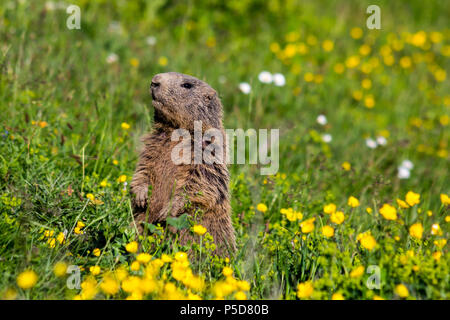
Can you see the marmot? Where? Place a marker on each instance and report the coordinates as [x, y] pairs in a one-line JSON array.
[[178, 101]]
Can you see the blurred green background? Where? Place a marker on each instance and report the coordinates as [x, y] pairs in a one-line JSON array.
[[66, 94]]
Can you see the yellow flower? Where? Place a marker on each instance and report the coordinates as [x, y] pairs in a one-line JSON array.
[[143, 258], [366, 84], [437, 255], [109, 286], [367, 241], [436, 36], [402, 291], [95, 270], [405, 62], [329, 208], [91, 197], [356, 33], [369, 210], [308, 77], [418, 39], [274, 47], [60, 237], [375, 297], [352, 62], [51, 242], [59, 269], [227, 271], [125, 126], [181, 256], [369, 101], [199, 229], [243, 285], [261, 207], [81, 224], [240, 295], [412, 198], [163, 61], [346, 166], [337, 296], [135, 266], [337, 217], [120, 273], [357, 272], [166, 258], [436, 229], [27, 279], [134, 62], [402, 204], [132, 247], [291, 215], [49, 233], [122, 178], [445, 199], [388, 212], [353, 202], [96, 252], [327, 45], [339, 68], [307, 225], [357, 95], [440, 243], [364, 50], [131, 283], [327, 231], [305, 289], [42, 124], [9, 294]]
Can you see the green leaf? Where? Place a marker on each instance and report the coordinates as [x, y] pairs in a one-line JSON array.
[[180, 222]]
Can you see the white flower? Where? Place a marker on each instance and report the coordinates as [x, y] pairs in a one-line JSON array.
[[245, 87], [222, 79], [115, 27], [434, 229], [381, 140], [50, 6], [327, 138], [111, 58], [372, 144], [151, 41], [403, 173], [265, 77], [322, 120], [279, 80], [407, 164]]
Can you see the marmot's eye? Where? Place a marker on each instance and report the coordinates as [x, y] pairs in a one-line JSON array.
[[187, 85]]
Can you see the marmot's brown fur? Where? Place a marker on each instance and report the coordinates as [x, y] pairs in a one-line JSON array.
[[179, 100]]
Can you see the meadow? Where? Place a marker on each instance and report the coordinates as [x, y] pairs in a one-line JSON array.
[[359, 208]]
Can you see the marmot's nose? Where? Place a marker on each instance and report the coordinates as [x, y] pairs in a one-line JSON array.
[[158, 79]]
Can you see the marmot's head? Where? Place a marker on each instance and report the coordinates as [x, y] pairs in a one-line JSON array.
[[179, 100]]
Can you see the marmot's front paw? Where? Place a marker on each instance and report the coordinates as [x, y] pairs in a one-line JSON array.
[[141, 196]]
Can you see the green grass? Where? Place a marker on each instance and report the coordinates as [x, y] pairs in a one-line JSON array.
[[62, 107]]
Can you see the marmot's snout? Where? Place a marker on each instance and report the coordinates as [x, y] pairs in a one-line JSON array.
[[156, 85]]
